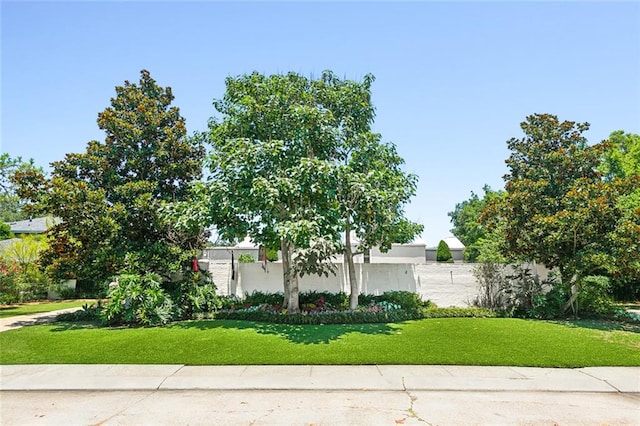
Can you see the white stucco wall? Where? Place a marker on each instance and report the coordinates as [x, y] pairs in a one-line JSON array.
[[445, 284]]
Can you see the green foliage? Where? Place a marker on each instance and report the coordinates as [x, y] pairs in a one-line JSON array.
[[294, 164], [109, 197], [321, 317], [325, 308], [594, 297], [194, 294], [443, 254], [407, 300], [138, 300], [558, 209], [5, 232], [23, 279], [246, 258], [622, 157], [89, 313], [272, 254], [468, 228], [11, 205]]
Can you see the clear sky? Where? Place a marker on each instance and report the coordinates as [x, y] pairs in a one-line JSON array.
[[453, 80]]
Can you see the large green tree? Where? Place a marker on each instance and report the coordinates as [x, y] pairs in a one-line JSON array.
[[270, 175], [558, 210], [109, 196]]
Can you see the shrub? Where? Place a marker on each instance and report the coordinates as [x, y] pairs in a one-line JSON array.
[[407, 300], [138, 300], [490, 278], [260, 298], [5, 231], [272, 255], [194, 293], [246, 258], [594, 296], [91, 313], [443, 254]]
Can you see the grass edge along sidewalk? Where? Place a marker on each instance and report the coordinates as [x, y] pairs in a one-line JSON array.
[[442, 341], [8, 311]]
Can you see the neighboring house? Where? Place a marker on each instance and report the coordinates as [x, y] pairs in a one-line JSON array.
[[37, 225], [455, 246]]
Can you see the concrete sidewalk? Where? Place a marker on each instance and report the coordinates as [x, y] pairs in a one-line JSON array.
[[325, 378], [9, 323]]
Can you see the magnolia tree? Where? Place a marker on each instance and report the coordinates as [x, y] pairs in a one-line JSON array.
[[108, 197], [558, 209]]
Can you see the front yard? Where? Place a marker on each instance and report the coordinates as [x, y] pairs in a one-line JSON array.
[[462, 341]]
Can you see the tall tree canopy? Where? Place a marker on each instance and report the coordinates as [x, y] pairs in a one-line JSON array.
[[558, 209], [294, 164], [108, 197], [270, 175]]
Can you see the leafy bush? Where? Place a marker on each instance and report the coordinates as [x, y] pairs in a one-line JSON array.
[[407, 300], [5, 231], [260, 298], [272, 255], [443, 254], [324, 308], [138, 300], [594, 296], [193, 294], [89, 312], [246, 258]]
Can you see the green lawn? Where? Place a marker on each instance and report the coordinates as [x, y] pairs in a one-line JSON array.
[[464, 341], [38, 307]]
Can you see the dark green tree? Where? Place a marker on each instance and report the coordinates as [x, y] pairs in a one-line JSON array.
[[109, 197], [5, 231], [558, 209], [443, 253]]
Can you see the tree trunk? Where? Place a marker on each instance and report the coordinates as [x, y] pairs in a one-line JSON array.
[[290, 280], [349, 265], [570, 282], [284, 248]]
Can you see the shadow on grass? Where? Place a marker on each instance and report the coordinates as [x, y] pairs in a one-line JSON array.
[[602, 325], [79, 325], [304, 334]]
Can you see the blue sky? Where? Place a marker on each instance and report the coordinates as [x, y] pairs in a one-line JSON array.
[[453, 80]]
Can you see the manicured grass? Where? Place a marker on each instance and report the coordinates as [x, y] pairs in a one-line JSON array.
[[38, 307], [463, 341]]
